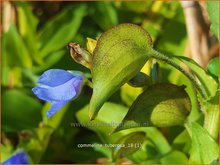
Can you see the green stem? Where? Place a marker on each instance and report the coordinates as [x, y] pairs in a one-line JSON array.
[[157, 55], [211, 123]]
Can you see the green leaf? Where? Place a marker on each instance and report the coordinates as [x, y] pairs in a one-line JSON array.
[[128, 144], [52, 59], [17, 53], [27, 20], [105, 122], [129, 94], [27, 23], [4, 63], [209, 85], [19, 111], [174, 157], [167, 41], [158, 139], [104, 14], [182, 142], [213, 67], [138, 7], [158, 107], [120, 53], [204, 149], [213, 12], [61, 29]]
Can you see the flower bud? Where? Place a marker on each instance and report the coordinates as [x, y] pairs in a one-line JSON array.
[[80, 55]]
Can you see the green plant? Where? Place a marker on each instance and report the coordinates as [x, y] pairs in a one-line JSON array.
[[149, 103]]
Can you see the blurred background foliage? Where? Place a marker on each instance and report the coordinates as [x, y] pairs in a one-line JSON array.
[[34, 39]]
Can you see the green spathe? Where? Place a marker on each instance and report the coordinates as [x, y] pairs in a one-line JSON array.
[[119, 55], [160, 105]]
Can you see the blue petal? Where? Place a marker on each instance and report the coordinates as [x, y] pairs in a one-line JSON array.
[[18, 158], [55, 108], [62, 92], [78, 85], [54, 77]]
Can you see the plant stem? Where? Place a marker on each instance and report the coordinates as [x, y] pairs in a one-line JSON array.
[[168, 60], [211, 123]]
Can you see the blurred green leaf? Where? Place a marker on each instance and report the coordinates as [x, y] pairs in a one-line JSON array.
[[104, 14], [213, 12], [213, 67], [159, 140], [174, 157], [129, 94], [17, 55], [128, 144], [19, 111], [15, 77], [182, 142], [50, 60], [11, 73], [105, 122], [26, 19], [5, 75], [161, 20], [61, 29], [138, 7], [157, 107], [27, 23], [204, 148], [167, 41], [4, 62]]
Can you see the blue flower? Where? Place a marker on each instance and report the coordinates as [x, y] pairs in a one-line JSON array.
[[17, 158], [58, 87]]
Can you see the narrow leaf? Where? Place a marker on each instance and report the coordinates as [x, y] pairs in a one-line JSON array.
[[104, 14], [59, 31], [17, 53]]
